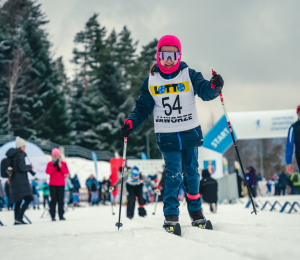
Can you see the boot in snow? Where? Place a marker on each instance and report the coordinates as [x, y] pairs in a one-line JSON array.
[[199, 220], [171, 225], [142, 212], [213, 207]]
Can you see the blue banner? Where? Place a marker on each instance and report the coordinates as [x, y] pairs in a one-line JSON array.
[[218, 138], [95, 159]]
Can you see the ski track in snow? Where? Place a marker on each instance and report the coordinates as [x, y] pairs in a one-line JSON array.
[[90, 233]]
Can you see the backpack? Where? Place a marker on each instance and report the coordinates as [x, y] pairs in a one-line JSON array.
[[6, 168]]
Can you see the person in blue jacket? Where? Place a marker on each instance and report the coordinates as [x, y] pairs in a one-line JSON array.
[[169, 93], [293, 138]]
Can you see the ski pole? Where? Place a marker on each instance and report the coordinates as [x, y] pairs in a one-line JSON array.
[[156, 200], [112, 206], [27, 219], [234, 142], [119, 224]]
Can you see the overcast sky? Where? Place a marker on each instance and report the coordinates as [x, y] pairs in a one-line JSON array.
[[253, 44]]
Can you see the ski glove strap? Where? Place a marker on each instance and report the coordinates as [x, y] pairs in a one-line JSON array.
[[126, 128]]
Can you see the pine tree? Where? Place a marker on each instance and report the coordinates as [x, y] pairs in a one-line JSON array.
[[32, 100], [90, 53], [100, 107], [140, 71]]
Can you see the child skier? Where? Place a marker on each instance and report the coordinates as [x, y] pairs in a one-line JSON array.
[[46, 193], [134, 185], [169, 93]]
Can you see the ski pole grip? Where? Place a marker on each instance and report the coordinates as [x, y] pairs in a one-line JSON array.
[[212, 82]]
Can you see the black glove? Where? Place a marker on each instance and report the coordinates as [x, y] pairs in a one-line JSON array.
[[217, 80], [126, 128], [32, 172], [56, 165]]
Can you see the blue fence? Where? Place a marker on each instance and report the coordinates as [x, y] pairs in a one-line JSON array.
[[273, 206]]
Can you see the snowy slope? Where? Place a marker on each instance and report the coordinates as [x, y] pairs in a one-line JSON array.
[[90, 233]]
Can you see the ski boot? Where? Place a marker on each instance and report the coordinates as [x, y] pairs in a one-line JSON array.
[[171, 225], [198, 220], [213, 207], [142, 212]]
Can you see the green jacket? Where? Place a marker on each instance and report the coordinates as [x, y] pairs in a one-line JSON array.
[[45, 189], [295, 183]]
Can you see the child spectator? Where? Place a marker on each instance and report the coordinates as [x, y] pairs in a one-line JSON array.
[[34, 186], [209, 190], [46, 192]]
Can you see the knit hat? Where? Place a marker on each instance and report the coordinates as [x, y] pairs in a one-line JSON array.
[[56, 151], [20, 142], [170, 40], [298, 109], [205, 173]]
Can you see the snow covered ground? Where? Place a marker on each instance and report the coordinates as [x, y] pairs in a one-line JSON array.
[[90, 233]]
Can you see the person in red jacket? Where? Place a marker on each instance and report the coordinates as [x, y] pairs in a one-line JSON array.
[[57, 169]]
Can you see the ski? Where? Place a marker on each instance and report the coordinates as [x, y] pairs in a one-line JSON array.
[[203, 224], [173, 228]]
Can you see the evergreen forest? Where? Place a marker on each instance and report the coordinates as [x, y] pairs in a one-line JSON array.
[[39, 101]]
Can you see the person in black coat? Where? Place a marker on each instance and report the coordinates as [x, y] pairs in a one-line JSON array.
[[282, 182], [19, 185], [209, 190]]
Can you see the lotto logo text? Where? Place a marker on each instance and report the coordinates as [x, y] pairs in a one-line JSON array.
[[170, 88]]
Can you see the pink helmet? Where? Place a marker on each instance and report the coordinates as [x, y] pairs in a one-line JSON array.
[[55, 152], [298, 109]]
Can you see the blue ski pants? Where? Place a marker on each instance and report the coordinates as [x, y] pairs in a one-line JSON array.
[[174, 161]]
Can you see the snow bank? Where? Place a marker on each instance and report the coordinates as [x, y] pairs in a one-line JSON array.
[[84, 168]]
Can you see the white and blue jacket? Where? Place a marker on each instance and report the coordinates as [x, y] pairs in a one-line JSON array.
[[145, 105]]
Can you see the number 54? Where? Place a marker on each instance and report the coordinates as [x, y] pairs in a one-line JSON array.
[[171, 108]]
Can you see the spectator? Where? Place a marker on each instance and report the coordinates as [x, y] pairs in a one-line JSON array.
[[209, 190], [295, 178], [19, 185], [258, 177], [2, 196], [253, 173], [275, 179], [88, 185], [94, 190], [7, 192], [68, 188], [104, 191], [134, 184], [249, 178], [76, 184], [293, 139], [57, 169], [282, 182], [269, 186], [239, 183], [46, 192], [34, 186]]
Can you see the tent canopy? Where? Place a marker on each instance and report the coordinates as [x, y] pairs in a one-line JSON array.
[[35, 156]]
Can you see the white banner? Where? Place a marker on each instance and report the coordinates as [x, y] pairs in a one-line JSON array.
[[262, 124], [147, 167]]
